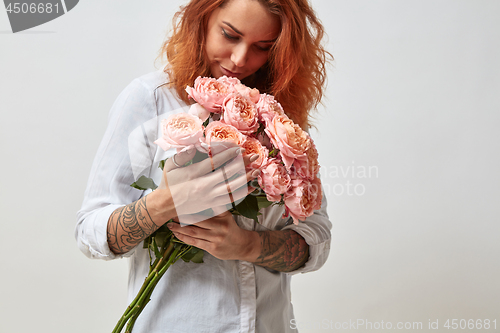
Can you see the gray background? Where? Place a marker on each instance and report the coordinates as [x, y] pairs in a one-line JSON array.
[[413, 94]]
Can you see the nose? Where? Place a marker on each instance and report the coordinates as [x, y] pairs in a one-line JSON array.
[[239, 55]]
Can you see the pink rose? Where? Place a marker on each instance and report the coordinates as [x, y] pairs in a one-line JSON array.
[[217, 131], [241, 113], [251, 94], [235, 86], [180, 131], [268, 108], [229, 82], [289, 138], [274, 180], [309, 167], [303, 198], [253, 146], [209, 93], [199, 111]]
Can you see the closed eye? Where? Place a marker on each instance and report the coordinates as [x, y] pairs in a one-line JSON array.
[[228, 36], [264, 48]]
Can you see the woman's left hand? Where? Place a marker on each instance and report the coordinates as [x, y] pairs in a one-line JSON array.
[[221, 237]]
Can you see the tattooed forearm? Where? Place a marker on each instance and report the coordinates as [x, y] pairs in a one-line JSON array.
[[282, 251], [128, 226]]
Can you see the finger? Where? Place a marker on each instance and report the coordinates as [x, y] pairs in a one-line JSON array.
[[237, 196], [234, 170], [189, 219], [193, 231], [252, 174], [199, 243], [247, 159], [210, 164], [238, 165], [234, 167], [219, 146], [230, 172], [216, 221], [231, 184], [180, 158]]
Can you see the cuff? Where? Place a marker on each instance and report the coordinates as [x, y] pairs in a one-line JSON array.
[[91, 235]]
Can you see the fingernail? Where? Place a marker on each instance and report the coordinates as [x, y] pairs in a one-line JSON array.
[[254, 157], [170, 225], [256, 173], [239, 151]]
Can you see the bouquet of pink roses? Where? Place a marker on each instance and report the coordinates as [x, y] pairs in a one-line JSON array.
[[228, 111], [288, 158]]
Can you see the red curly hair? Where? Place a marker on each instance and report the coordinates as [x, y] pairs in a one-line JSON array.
[[295, 72]]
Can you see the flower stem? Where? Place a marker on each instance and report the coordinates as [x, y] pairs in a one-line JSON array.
[[146, 297], [143, 296]]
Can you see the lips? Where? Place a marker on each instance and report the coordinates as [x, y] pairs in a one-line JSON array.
[[228, 73]]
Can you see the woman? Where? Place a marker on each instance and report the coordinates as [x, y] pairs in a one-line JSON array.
[[242, 286]]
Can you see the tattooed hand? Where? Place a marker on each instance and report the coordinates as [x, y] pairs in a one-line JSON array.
[[281, 250], [193, 188], [207, 184]]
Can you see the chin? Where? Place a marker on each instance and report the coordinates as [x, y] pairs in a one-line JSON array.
[[215, 70]]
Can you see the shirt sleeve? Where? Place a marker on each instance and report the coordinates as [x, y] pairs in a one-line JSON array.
[[316, 232], [112, 172]]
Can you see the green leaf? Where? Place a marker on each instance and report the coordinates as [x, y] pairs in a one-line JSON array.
[[194, 254], [189, 254], [164, 227], [198, 257], [147, 242], [249, 208], [263, 202], [154, 245], [162, 164], [144, 183], [187, 257], [205, 123], [261, 128], [162, 237], [274, 152]]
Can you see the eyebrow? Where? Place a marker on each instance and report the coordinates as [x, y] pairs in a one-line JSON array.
[[241, 34]]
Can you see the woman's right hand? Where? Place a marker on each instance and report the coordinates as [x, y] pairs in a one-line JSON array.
[[206, 184]]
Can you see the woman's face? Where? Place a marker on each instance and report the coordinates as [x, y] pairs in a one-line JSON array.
[[239, 37]]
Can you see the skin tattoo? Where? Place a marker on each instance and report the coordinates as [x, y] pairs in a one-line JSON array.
[[133, 225], [282, 251]]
